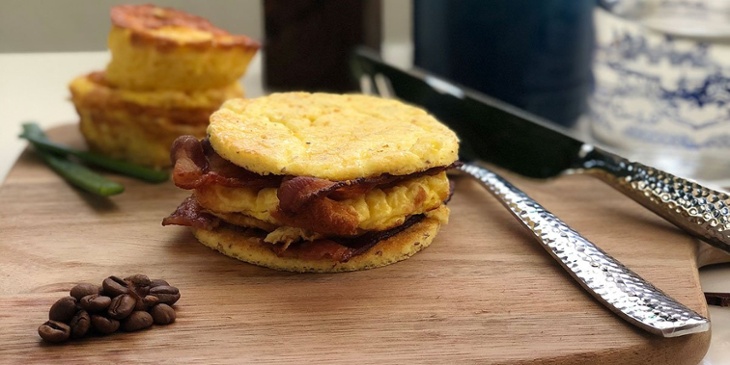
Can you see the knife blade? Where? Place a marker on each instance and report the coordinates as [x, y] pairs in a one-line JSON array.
[[506, 136]]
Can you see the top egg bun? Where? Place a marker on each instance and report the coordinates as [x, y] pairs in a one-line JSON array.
[[157, 48]]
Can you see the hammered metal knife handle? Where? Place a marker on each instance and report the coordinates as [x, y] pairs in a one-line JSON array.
[[700, 211], [614, 285]]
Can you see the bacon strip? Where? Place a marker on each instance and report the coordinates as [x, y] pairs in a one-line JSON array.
[[304, 201], [197, 164], [322, 215], [316, 250], [296, 192], [189, 161], [313, 203], [190, 213], [339, 249]]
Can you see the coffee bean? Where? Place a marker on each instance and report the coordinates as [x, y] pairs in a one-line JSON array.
[[121, 306], [140, 284], [133, 303], [163, 314], [104, 325], [80, 324], [63, 309], [139, 305], [167, 294], [95, 302], [146, 303], [138, 320], [81, 290], [158, 282], [114, 286], [54, 331], [138, 280]]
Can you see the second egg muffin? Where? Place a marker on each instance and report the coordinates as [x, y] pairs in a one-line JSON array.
[[140, 126]]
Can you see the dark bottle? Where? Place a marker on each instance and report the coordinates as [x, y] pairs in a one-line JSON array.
[[308, 43], [533, 54]]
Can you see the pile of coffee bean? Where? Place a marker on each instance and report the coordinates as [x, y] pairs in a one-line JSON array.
[[131, 304]]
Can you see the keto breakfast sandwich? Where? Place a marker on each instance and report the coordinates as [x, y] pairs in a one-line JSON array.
[[316, 182]]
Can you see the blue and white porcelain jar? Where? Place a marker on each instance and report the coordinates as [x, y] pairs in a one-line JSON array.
[[662, 84]]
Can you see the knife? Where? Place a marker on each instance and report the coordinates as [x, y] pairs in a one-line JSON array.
[[506, 136]]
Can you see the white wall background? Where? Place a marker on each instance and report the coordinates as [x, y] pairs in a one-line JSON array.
[[83, 25]]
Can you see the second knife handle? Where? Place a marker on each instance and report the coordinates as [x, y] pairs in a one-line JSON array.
[[700, 211], [609, 281]]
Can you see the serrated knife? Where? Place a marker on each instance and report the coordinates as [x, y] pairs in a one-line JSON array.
[[523, 143]]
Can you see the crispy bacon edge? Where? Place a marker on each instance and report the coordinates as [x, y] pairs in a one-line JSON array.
[[304, 201], [339, 249], [196, 164], [190, 213]]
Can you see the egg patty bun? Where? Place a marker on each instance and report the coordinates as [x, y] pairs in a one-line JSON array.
[[316, 182], [140, 126], [157, 48]]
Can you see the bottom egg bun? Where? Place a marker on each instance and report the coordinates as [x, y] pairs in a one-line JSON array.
[[248, 246], [138, 126]]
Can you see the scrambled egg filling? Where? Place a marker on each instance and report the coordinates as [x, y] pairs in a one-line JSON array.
[[379, 209]]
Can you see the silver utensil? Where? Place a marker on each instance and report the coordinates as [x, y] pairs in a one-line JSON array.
[[520, 142], [613, 284]]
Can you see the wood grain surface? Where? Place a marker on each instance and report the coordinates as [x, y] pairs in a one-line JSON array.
[[483, 292]]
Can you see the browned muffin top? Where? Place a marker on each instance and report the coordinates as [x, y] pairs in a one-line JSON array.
[[160, 25]]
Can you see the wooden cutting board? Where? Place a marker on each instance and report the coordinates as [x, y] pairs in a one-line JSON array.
[[484, 292]]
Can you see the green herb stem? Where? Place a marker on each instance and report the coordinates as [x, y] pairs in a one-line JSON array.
[[81, 176], [34, 134]]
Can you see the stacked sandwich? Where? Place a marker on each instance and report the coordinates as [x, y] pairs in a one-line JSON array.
[[316, 182], [168, 72]]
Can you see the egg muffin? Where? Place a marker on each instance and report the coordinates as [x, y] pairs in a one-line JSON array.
[[156, 48], [140, 126], [316, 182]]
